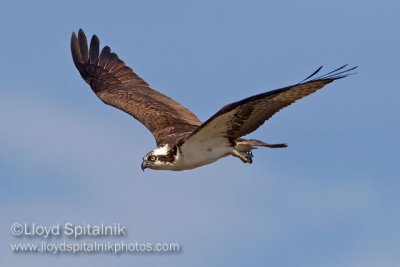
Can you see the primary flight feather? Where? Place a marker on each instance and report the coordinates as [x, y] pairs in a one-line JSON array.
[[183, 141]]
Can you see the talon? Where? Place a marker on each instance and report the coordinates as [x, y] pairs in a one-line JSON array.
[[245, 156], [249, 157]]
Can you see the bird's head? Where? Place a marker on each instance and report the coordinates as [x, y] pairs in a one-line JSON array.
[[161, 158]]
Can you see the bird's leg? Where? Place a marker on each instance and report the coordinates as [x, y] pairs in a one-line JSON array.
[[246, 157]]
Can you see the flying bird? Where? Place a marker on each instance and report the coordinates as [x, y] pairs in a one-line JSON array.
[[183, 141]]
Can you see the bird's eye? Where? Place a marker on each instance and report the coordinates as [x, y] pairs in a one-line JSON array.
[[152, 158]]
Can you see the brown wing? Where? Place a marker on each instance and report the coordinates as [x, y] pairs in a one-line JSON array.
[[117, 85], [243, 117]]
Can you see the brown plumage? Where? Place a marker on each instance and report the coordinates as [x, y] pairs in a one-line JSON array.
[[183, 141], [245, 116], [117, 85]]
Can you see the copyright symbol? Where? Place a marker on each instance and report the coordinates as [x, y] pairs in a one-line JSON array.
[[17, 229]]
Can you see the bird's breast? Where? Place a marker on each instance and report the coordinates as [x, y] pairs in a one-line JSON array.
[[195, 157]]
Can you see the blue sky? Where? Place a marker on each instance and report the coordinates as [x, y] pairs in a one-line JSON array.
[[330, 199]]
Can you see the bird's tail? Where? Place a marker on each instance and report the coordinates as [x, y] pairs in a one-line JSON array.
[[247, 145]]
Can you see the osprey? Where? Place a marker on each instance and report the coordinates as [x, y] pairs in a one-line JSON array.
[[183, 141]]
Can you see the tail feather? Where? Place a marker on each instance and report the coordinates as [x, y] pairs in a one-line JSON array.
[[247, 145], [254, 142]]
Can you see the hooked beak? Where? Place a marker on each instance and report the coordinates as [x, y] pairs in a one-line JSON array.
[[144, 165]]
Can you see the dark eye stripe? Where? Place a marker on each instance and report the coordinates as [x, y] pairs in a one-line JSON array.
[[168, 158]]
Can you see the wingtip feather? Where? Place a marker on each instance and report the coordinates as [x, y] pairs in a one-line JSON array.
[[94, 49], [83, 46], [104, 55], [336, 74], [75, 51]]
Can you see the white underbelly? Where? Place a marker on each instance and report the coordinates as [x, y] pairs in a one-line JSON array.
[[195, 158]]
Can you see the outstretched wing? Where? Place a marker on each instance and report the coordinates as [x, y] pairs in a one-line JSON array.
[[243, 117], [117, 85]]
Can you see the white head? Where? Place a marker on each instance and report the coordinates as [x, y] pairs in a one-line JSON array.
[[161, 158]]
